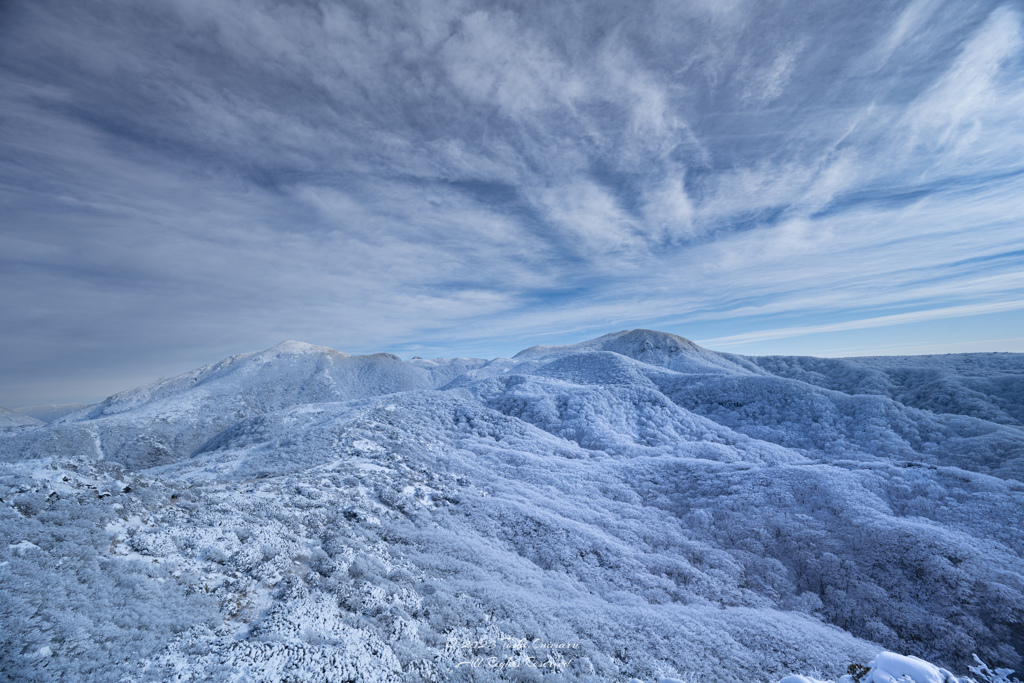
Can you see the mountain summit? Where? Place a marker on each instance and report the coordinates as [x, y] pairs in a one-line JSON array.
[[648, 346]]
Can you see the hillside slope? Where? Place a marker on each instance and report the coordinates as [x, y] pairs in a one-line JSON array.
[[633, 506], [10, 418]]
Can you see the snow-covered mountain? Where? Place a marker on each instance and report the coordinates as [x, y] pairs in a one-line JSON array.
[[168, 420], [634, 506], [11, 419]]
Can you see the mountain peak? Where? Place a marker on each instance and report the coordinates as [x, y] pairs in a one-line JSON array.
[[663, 349], [650, 340], [300, 348], [636, 340]]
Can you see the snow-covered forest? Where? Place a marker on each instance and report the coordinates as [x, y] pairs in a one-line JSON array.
[[631, 507]]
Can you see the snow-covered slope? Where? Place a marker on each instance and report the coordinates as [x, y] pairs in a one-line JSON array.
[[630, 507], [10, 418], [984, 385], [168, 420]]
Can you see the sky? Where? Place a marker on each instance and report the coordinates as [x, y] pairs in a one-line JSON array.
[[186, 180]]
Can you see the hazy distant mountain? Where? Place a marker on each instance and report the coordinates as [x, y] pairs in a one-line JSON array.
[[663, 510], [51, 411]]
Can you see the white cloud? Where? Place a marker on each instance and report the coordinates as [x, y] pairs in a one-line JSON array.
[[592, 220], [668, 210], [770, 81], [493, 61], [910, 23], [971, 111]]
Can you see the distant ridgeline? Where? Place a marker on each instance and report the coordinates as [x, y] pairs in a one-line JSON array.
[[631, 507]]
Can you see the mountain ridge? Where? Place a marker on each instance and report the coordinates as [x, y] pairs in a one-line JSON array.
[[668, 508]]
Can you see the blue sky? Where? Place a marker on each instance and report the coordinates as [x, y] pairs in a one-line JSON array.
[[190, 179]]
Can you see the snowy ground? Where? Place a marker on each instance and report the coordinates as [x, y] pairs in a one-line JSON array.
[[630, 507]]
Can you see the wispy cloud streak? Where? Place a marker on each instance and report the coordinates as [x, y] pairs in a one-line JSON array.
[[866, 323], [187, 179]]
